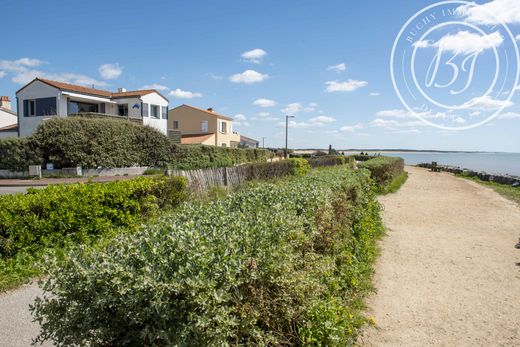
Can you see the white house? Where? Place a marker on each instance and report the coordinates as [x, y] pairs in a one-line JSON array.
[[41, 99], [8, 118]]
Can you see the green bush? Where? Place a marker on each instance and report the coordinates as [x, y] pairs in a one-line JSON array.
[[383, 170], [271, 264], [16, 154], [327, 160], [107, 143], [48, 217], [277, 169]]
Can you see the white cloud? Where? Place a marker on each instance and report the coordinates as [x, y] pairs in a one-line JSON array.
[[242, 124], [2, 74], [492, 13], [517, 37], [374, 94], [240, 117], [27, 76], [347, 86], [464, 42], [509, 115], [338, 68], [156, 87], [486, 103], [459, 120], [215, 76], [264, 114], [110, 71], [184, 94], [292, 108], [300, 125], [20, 65], [264, 102], [396, 113], [248, 76], [346, 129], [322, 119], [254, 56]]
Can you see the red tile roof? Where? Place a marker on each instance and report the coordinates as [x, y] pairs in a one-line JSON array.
[[191, 139], [94, 91], [206, 111]]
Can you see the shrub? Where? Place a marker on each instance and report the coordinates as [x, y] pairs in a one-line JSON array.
[[327, 160], [16, 154], [107, 143], [271, 264], [277, 169], [384, 169], [48, 217]]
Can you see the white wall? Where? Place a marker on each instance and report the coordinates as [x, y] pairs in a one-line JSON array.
[[4, 134], [7, 119], [160, 124], [132, 112], [36, 90]]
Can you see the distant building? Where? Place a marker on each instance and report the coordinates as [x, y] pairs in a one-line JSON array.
[[247, 142], [41, 99], [8, 118], [199, 126]]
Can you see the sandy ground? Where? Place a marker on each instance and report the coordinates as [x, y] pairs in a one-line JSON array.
[[449, 273]]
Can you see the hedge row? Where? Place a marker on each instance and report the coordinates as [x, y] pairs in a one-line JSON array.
[[383, 170], [107, 143], [328, 160], [271, 264], [59, 213]]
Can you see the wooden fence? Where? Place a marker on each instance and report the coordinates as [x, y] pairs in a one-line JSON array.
[[203, 179]]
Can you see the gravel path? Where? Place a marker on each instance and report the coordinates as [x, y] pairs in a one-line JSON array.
[[16, 326], [449, 273]]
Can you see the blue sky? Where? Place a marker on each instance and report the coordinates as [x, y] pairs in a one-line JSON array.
[[326, 62]]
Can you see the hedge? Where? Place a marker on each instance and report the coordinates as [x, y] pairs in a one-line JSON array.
[[277, 169], [49, 217], [384, 169], [108, 143], [271, 264], [327, 160], [17, 154]]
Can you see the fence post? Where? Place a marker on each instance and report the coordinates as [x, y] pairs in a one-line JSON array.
[[225, 176]]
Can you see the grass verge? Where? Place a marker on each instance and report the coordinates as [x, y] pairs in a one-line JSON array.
[[396, 184], [511, 193]]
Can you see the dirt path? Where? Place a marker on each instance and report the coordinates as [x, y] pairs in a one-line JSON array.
[[449, 274]]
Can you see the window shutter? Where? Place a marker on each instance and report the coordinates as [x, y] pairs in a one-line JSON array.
[[26, 108], [146, 110]]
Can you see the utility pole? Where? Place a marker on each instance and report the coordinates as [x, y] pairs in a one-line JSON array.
[[263, 142], [287, 134]]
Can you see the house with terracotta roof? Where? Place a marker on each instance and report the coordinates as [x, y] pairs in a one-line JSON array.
[[202, 126], [42, 99], [8, 118]]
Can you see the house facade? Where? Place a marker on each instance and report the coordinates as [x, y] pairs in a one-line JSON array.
[[42, 99], [8, 118], [199, 126]]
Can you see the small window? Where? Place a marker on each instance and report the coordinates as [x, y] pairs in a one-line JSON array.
[[154, 111], [122, 110], [32, 107], [223, 127], [224, 145], [204, 126], [175, 124]]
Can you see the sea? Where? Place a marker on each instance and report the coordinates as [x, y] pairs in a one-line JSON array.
[[497, 163]]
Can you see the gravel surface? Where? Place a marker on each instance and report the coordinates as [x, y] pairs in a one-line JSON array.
[[449, 273]]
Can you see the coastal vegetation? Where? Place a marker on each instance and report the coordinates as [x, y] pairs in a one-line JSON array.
[[278, 263], [384, 170], [506, 190]]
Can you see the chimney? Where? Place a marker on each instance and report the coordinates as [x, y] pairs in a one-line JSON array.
[[210, 109], [121, 90], [5, 102]]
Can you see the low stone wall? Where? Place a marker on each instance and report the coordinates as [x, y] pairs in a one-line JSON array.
[[484, 176], [13, 174], [79, 172]]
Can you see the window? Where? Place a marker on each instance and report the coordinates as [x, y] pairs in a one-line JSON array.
[[164, 110], [223, 127], [81, 107], [224, 145], [32, 107], [175, 124], [154, 111], [39, 107], [145, 110], [122, 110], [204, 126]]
